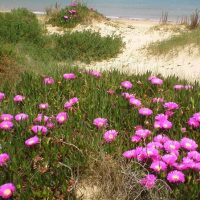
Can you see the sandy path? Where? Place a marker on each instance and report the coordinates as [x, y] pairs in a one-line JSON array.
[[133, 59]]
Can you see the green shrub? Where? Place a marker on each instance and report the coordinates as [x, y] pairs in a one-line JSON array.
[[83, 15], [87, 46], [20, 25]]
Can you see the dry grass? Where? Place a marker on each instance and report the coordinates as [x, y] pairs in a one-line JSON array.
[[111, 179]]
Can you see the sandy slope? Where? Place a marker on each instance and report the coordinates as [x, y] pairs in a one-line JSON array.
[[133, 59]]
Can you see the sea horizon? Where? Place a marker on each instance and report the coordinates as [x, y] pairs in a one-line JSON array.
[[129, 9]]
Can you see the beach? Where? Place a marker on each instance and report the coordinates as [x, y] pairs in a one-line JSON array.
[[137, 35]]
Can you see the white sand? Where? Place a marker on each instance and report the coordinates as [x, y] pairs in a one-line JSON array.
[[133, 59]]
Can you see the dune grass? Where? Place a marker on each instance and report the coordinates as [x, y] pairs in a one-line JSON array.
[[82, 15], [176, 43], [24, 41]]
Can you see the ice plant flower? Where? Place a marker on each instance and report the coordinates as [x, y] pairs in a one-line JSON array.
[[145, 111], [171, 106], [95, 73], [158, 100], [6, 117], [2, 96], [32, 141], [72, 12], [135, 102], [193, 122], [135, 139], [171, 145], [69, 76], [148, 181], [176, 177], [62, 117], [65, 17], [129, 154], [197, 116], [164, 124], [188, 144], [48, 81], [43, 106], [179, 87], [194, 155], [143, 133], [169, 159], [110, 91], [71, 102], [158, 166], [100, 122], [21, 117], [4, 157], [126, 84], [19, 98], [40, 118], [73, 4], [6, 125], [7, 190], [127, 96], [110, 135], [156, 81], [36, 129]]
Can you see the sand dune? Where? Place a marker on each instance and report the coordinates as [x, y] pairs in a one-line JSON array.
[[134, 59]]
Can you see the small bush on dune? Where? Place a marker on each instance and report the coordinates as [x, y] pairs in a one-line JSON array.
[[19, 25], [87, 46], [71, 16]]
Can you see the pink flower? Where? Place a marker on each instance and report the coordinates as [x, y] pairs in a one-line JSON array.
[[171, 145], [110, 91], [158, 100], [95, 73], [126, 84], [129, 154], [40, 118], [135, 139], [193, 122], [48, 81], [100, 122], [36, 129], [72, 12], [169, 113], [176, 177], [4, 157], [156, 81], [169, 159], [19, 98], [110, 135], [164, 124], [188, 144], [32, 141], [143, 133], [183, 130], [70, 103], [161, 138], [171, 106], [65, 17], [152, 153], [50, 125], [7, 190], [2, 96], [197, 116], [194, 155], [135, 102], [145, 111], [155, 145], [43, 106], [62, 117], [73, 4], [148, 181], [128, 96], [178, 87], [6, 125], [188, 87], [69, 76], [161, 117], [158, 166], [21, 117], [141, 153], [6, 117]]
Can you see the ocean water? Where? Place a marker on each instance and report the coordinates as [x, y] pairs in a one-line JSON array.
[[138, 9]]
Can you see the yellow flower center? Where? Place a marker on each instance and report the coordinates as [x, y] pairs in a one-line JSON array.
[[172, 146], [111, 136], [7, 192], [175, 177], [62, 118], [158, 167], [188, 145]]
